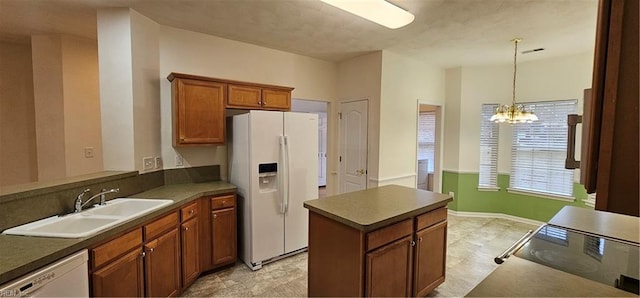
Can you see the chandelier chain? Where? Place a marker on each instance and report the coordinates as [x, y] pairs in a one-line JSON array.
[[515, 55]]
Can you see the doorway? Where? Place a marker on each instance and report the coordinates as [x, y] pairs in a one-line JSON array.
[[320, 108], [353, 145], [428, 142]]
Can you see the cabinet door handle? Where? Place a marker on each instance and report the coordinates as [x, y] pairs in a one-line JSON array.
[[223, 202], [571, 162], [151, 250], [191, 211], [215, 215], [186, 229], [259, 101], [413, 243], [143, 254], [264, 102], [420, 239]]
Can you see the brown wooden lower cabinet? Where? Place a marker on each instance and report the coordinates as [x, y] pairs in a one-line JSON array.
[[431, 251], [223, 229], [389, 270], [165, 255], [403, 259], [121, 278], [162, 265], [190, 251]]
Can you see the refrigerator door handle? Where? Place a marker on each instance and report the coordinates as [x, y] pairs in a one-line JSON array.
[[283, 175], [287, 173]]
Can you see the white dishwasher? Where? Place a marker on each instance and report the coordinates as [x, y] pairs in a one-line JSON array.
[[68, 277]]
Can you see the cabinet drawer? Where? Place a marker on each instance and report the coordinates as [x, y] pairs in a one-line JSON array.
[[158, 226], [188, 212], [116, 247], [430, 218], [223, 202], [388, 234]]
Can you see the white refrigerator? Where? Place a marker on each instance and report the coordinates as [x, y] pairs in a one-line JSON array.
[[274, 164]]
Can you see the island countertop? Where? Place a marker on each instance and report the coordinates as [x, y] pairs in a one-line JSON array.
[[518, 277], [612, 225], [372, 208]]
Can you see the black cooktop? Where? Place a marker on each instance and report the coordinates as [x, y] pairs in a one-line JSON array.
[[597, 258]]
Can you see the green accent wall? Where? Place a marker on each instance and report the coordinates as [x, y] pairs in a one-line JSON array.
[[469, 199]]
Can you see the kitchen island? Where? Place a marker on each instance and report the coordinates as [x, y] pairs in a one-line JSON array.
[[385, 241], [519, 277]]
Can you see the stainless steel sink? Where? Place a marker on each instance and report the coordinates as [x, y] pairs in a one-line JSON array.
[[91, 221]]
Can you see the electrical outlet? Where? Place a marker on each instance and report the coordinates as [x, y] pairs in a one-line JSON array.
[[451, 193], [179, 162], [158, 162], [147, 163], [88, 152]]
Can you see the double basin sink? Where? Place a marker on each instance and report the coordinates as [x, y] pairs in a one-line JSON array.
[[90, 221]]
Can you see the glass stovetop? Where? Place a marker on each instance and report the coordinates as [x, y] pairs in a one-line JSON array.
[[597, 258]]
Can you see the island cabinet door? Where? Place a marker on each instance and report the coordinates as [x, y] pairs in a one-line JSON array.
[[430, 258], [388, 269]]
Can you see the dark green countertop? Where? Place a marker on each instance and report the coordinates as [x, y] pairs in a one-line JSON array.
[[372, 208], [20, 255]]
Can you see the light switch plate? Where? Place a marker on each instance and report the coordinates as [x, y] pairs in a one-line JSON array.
[[179, 162], [158, 162], [88, 152], [147, 163]]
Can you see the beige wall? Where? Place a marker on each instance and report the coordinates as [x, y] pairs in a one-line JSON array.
[[18, 157], [548, 79], [404, 82], [360, 78], [199, 54], [49, 106], [81, 105], [145, 57], [453, 87], [116, 88]]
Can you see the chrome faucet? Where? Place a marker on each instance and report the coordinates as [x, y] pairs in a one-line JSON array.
[[79, 204]]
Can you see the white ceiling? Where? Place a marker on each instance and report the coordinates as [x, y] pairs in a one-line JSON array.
[[446, 33]]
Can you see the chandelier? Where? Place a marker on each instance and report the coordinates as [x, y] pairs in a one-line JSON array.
[[513, 113]]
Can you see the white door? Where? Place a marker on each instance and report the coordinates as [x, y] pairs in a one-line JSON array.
[[322, 149], [353, 146], [301, 132], [267, 219]]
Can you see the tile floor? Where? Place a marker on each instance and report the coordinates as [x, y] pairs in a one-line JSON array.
[[472, 245]]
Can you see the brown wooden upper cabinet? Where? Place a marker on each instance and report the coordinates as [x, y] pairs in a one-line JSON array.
[[257, 97], [198, 111], [242, 96], [199, 105]]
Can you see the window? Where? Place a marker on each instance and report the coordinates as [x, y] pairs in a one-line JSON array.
[[539, 149], [488, 173], [427, 138]]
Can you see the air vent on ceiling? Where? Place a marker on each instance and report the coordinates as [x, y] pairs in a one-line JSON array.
[[534, 50]]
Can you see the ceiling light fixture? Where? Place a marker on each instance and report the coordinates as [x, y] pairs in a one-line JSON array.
[[377, 11], [514, 113]]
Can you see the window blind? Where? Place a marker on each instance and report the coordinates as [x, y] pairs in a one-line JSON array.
[[539, 149], [427, 138], [488, 172]]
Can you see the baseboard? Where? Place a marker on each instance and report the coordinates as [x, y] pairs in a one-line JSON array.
[[496, 215]]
